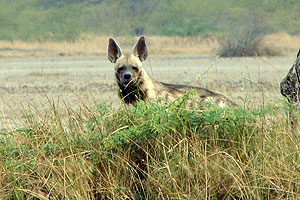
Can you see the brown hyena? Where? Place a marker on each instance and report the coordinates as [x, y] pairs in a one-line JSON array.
[[135, 84], [290, 88]]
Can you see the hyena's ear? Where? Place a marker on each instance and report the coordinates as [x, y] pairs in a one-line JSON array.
[[298, 59], [114, 51], [140, 49]]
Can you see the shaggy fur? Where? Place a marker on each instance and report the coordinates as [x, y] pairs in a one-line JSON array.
[[290, 88]]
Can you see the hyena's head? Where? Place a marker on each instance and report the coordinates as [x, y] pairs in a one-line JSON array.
[[128, 67]]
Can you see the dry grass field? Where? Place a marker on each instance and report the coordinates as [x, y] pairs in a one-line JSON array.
[[158, 45]]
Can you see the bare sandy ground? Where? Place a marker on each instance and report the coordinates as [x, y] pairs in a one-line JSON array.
[[34, 83]]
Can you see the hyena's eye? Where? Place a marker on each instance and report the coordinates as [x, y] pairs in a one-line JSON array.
[[135, 68], [121, 68]]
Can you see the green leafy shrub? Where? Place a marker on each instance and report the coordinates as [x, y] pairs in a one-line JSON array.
[[147, 121]]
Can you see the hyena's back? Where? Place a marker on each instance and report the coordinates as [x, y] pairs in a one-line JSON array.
[[202, 94]]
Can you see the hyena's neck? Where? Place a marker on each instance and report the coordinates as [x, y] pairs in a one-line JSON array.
[[131, 94], [142, 90]]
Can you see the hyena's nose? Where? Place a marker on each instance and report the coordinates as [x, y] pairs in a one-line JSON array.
[[127, 76]]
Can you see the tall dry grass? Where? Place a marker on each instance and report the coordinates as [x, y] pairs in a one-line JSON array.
[[151, 152], [97, 45], [283, 41]]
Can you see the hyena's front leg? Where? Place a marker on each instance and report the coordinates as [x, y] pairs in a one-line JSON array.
[[294, 120]]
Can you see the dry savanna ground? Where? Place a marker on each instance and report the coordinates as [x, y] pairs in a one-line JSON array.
[[72, 74], [31, 82]]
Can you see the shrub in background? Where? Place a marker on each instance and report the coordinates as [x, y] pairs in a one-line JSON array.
[[243, 31]]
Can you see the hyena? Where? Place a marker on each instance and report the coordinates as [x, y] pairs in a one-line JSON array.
[[290, 88], [135, 83]]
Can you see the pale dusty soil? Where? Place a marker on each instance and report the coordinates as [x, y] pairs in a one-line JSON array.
[[29, 83]]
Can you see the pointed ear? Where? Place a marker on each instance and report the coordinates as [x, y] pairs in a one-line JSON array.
[[114, 51], [140, 49], [297, 64]]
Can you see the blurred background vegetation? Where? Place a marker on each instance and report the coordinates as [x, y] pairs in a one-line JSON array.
[[57, 20]]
